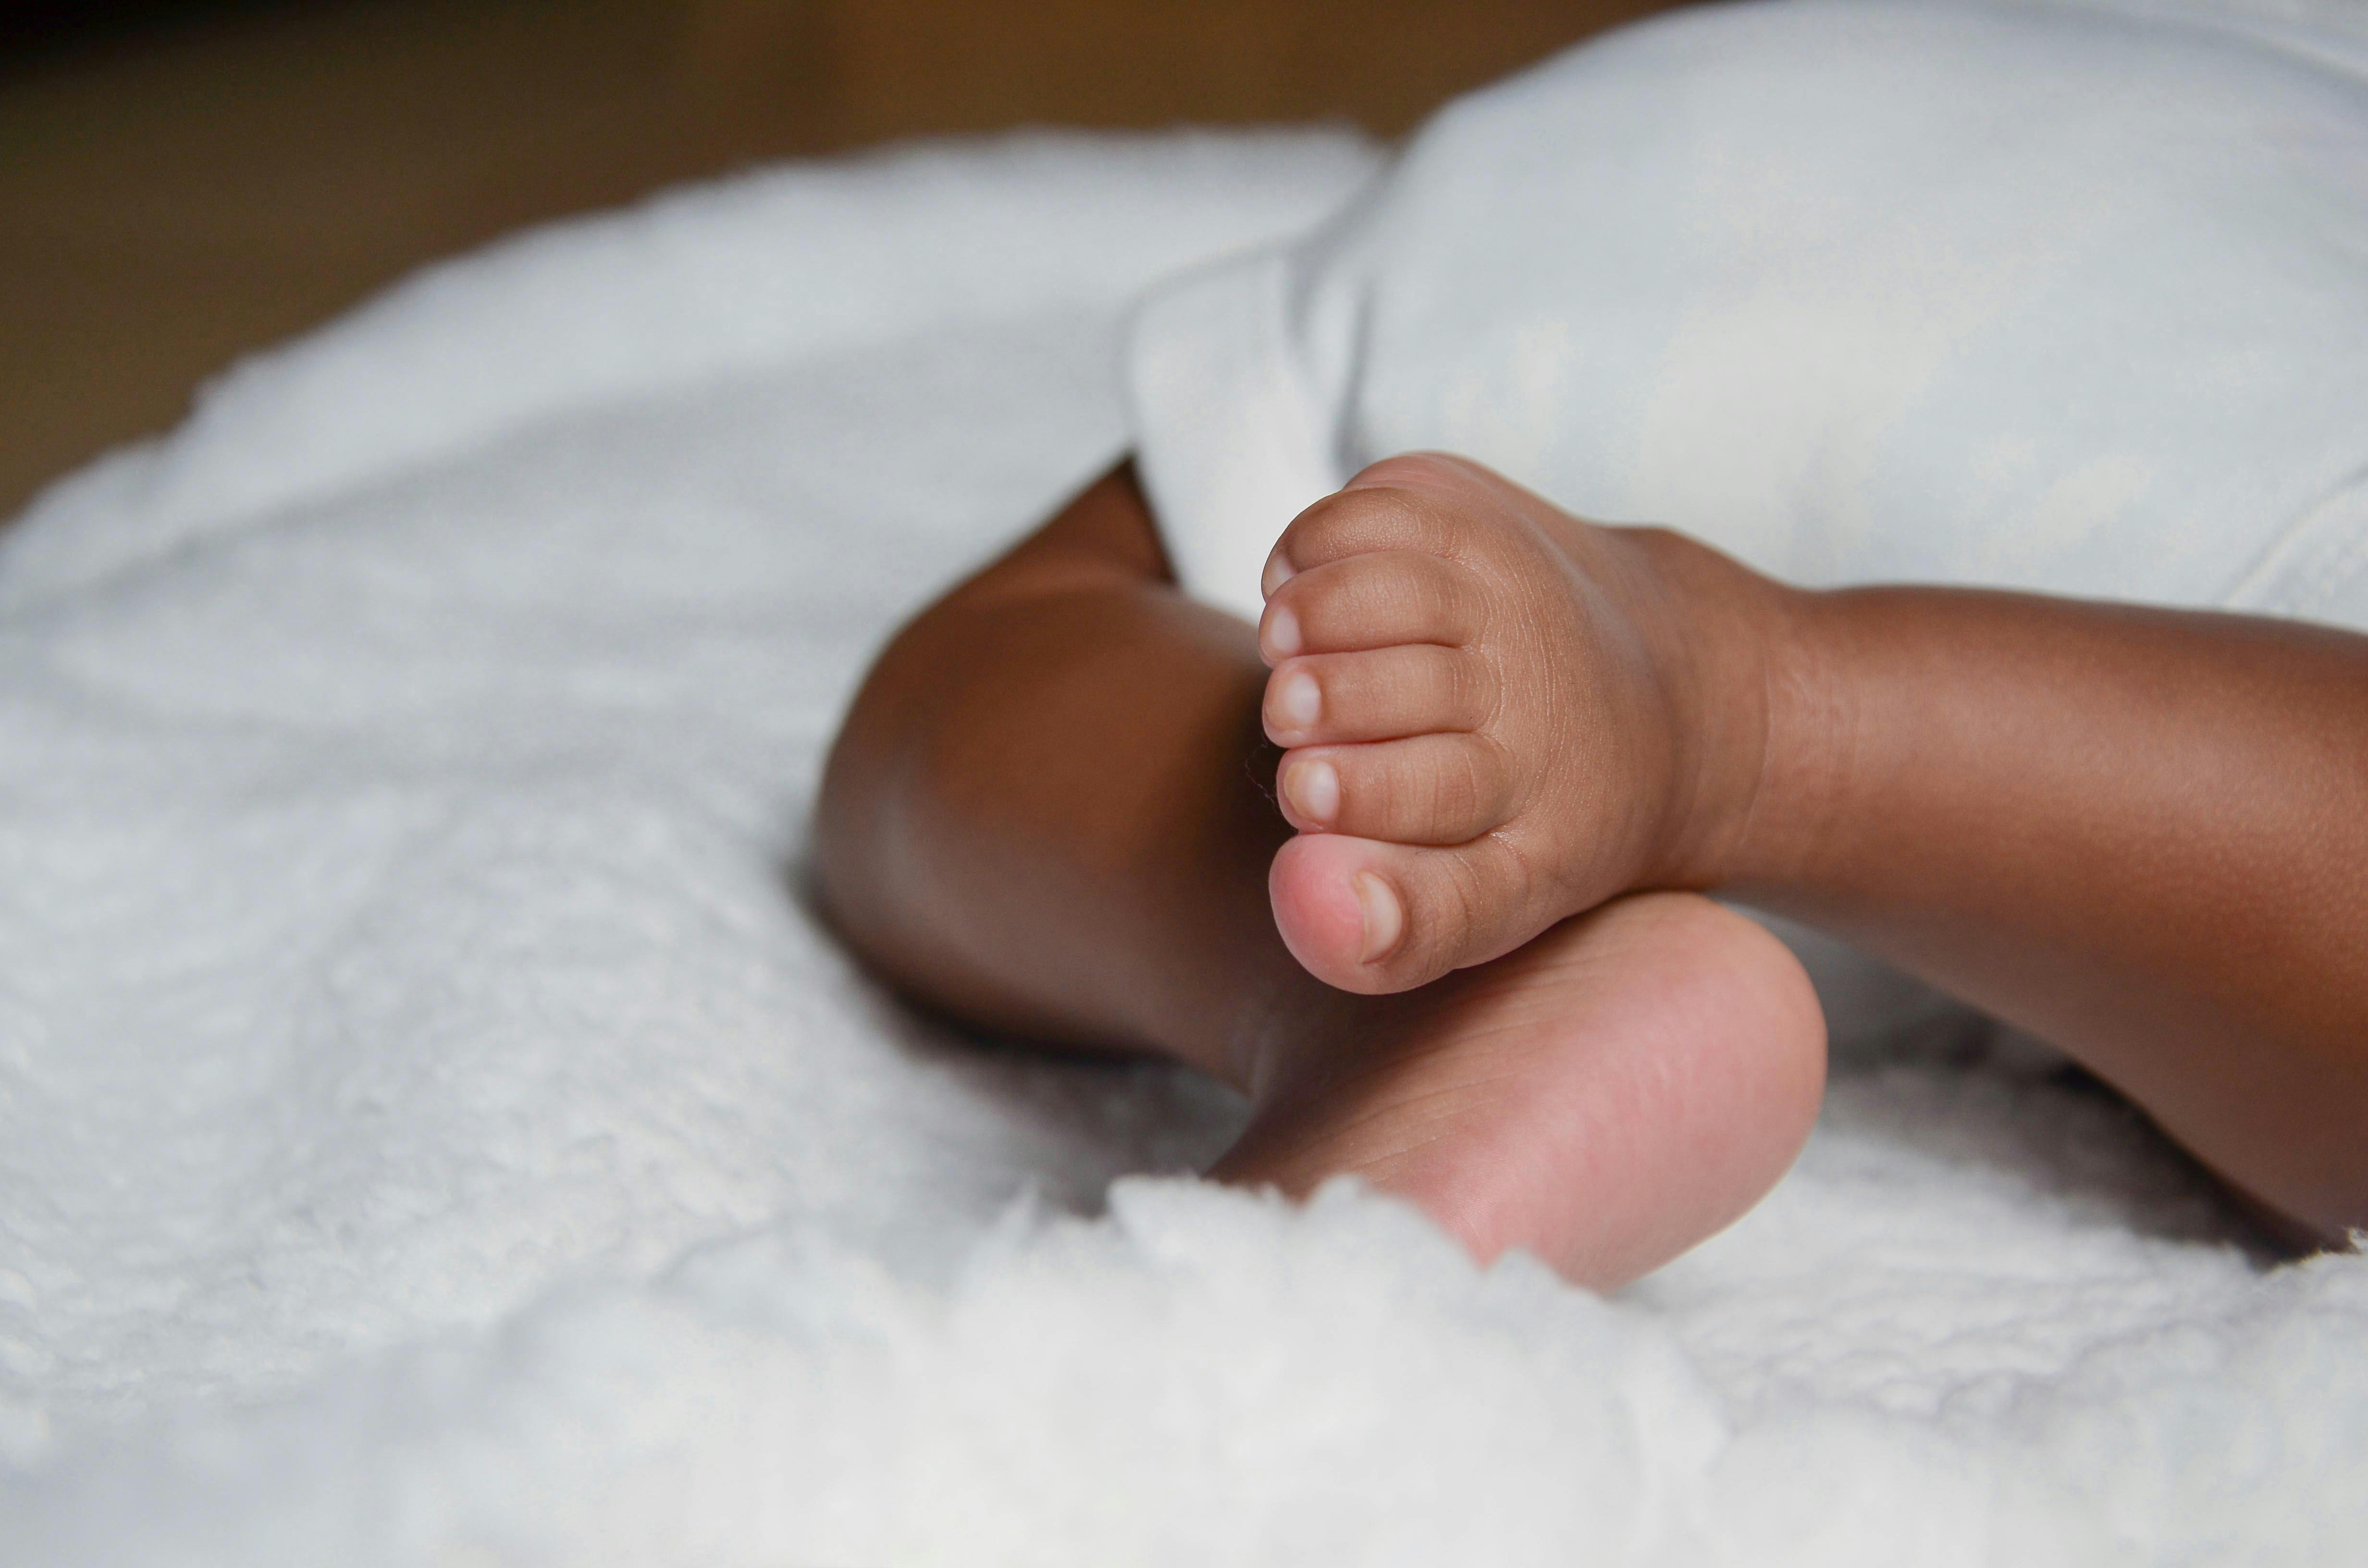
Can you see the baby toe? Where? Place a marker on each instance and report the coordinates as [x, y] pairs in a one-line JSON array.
[[1377, 918], [1360, 519], [1383, 695], [1436, 789], [1425, 501], [1372, 601]]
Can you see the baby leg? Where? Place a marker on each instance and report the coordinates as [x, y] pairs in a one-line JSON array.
[[1050, 812]]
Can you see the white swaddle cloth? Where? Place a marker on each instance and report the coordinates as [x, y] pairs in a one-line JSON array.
[[2072, 299]]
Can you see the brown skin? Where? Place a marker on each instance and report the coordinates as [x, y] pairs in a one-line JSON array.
[[2141, 833], [1047, 813], [1051, 813]]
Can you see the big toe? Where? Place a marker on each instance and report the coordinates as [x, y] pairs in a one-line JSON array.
[[1370, 916]]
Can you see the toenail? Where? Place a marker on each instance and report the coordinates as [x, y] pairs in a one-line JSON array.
[[1301, 700], [1278, 572], [1281, 633], [1315, 791], [1384, 917]]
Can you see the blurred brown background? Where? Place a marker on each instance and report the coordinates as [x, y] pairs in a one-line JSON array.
[[180, 183]]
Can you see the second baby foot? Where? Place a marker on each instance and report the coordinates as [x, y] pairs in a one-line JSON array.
[[1490, 715]]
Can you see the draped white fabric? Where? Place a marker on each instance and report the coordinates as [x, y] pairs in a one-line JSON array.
[[2067, 298]]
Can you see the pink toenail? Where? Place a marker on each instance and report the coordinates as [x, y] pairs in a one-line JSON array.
[[1281, 633], [1314, 788], [1301, 700], [1384, 917], [1278, 572]]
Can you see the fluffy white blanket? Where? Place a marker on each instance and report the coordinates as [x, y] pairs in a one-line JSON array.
[[433, 1128]]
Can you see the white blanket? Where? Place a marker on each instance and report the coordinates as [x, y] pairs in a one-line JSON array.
[[433, 1128]]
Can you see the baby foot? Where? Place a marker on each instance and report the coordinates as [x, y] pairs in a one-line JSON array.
[[1604, 1097], [1488, 712]]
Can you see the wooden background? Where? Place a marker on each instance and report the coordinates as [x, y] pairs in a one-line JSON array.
[[172, 197]]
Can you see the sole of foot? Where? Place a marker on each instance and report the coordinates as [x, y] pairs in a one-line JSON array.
[[1606, 1096]]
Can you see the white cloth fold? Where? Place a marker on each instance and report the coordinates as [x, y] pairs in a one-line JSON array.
[[2067, 298]]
